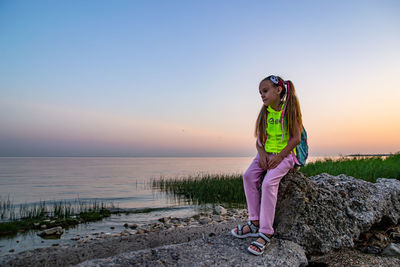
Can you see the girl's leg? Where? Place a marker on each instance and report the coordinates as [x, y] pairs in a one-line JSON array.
[[251, 181], [269, 193]]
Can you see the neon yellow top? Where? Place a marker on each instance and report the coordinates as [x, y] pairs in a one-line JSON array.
[[274, 132]]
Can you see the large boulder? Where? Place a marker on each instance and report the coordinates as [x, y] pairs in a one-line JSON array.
[[220, 250], [326, 212]]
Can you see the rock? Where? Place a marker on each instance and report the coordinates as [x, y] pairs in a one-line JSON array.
[[141, 231], [219, 250], [392, 250], [204, 220], [133, 226], [395, 237], [327, 212], [175, 220], [220, 210], [216, 218], [56, 231], [372, 250], [163, 220], [43, 226], [130, 232]]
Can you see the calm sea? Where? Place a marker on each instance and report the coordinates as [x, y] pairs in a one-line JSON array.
[[126, 182], [122, 181]]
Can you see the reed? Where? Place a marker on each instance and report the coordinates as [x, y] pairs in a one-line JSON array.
[[365, 168], [205, 188], [228, 188], [7, 208], [56, 213]]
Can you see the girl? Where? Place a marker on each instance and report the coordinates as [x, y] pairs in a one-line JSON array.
[[278, 132]]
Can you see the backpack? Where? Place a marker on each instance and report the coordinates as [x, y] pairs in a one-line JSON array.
[[302, 150]]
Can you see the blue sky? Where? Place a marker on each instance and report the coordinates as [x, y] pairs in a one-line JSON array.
[[180, 78]]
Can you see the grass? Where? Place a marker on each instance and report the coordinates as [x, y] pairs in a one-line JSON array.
[[61, 213], [228, 189], [366, 168], [206, 188]]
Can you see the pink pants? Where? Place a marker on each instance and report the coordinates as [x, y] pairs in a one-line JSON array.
[[269, 195]]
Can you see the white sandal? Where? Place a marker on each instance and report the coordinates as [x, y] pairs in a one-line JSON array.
[[253, 231], [259, 245]]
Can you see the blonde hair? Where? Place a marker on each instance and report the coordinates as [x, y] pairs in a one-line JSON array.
[[291, 111]]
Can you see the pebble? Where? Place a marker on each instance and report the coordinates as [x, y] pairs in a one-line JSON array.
[[220, 214], [220, 210]]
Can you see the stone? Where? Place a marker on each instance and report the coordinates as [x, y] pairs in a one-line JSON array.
[[133, 226], [130, 232], [220, 210], [395, 237], [204, 220], [55, 231], [141, 231], [175, 220], [392, 250], [163, 220], [312, 212], [218, 250], [216, 218]]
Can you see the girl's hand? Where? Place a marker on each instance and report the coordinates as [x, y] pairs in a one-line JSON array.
[[263, 161], [275, 161]]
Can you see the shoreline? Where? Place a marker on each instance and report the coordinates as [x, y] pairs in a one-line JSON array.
[[206, 227]]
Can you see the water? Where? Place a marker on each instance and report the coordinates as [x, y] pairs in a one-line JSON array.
[[122, 181], [126, 182]]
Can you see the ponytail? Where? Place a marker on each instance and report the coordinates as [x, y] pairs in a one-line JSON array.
[[292, 112]]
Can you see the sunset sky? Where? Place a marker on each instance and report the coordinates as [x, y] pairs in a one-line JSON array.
[[180, 78]]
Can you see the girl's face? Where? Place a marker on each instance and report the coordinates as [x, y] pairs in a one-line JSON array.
[[270, 94]]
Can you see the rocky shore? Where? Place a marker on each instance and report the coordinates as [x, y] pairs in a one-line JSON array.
[[320, 221]]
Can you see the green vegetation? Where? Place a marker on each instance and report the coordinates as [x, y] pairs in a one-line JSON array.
[[366, 168], [228, 189], [61, 213], [203, 189]]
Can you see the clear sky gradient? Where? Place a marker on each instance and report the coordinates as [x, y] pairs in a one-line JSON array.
[[180, 78]]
